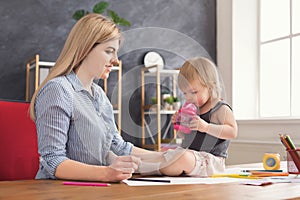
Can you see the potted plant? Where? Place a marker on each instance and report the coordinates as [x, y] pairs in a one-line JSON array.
[[102, 8], [165, 95], [169, 103], [153, 100], [153, 106]]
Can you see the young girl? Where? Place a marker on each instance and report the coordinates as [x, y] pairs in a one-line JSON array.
[[204, 151]]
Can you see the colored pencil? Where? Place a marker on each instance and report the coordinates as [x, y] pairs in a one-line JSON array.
[[233, 176], [268, 174], [262, 170], [150, 180], [288, 139], [284, 142], [86, 184]]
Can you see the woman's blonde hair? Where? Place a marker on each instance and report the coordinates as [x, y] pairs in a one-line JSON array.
[[89, 31], [203, 70]]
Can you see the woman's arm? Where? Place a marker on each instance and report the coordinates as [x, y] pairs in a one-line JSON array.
[[122, 168], [53, 109]]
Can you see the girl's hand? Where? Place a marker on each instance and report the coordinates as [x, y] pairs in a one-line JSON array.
[[199, 124], [174, 117]]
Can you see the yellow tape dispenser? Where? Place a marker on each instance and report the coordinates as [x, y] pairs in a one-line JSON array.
[[271, 161]]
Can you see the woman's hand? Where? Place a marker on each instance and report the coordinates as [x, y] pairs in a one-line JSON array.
[[125, 164], [114, 175], [199, 124], [122, 168]]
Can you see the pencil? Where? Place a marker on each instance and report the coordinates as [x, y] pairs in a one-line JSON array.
[[289, 140], [267, 174], [233, 176], [284, 142], [150, 180], [262, 170], [86, 184]]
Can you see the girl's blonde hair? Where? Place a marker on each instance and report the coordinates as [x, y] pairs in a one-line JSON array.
[[203, 70], [89, 31]]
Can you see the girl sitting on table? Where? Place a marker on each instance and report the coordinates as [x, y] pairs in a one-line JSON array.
[[203, 151]]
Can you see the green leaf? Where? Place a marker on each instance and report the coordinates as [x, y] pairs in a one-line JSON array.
[[113, 15], [116, 19], [100, 7], [124, 22], [79, 13], [175, 99]]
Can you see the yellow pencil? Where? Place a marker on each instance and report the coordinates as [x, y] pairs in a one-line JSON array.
[[234, 176]]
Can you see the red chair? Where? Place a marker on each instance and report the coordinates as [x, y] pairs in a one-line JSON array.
[[19, 157]]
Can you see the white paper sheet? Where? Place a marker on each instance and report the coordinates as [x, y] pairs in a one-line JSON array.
[[194, 180]]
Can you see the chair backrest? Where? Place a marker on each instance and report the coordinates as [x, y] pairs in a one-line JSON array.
[[19, 157]]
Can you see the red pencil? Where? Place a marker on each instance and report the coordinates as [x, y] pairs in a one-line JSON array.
[[87, 184]]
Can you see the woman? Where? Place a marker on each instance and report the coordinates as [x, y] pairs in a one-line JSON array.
[[74, 119]]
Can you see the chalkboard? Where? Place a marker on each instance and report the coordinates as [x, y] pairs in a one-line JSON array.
[[30, 27], [177, 29]]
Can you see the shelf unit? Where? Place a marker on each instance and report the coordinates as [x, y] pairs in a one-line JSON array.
[[37, 71], [117, 107], [158, 74]]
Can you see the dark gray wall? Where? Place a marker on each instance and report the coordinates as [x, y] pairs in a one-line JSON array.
[[178, 29], [29, 27]]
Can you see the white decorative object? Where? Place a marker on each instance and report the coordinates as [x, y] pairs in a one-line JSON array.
[[153, 58]]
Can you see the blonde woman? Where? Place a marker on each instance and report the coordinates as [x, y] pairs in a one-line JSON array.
[[77, 136]]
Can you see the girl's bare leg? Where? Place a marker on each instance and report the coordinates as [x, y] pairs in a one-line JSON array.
[[171, 163], [183, 162]]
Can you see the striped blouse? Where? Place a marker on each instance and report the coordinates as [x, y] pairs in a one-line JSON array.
[[72, 124]]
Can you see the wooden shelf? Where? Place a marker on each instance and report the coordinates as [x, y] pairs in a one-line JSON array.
[[37, 69], [157, 137], [162, 112], [118, 106], [164, 72]]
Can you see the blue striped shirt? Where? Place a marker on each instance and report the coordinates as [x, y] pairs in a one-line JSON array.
[[73, 124]]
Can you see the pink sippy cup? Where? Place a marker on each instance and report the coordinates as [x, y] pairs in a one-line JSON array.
[[185, 115]]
